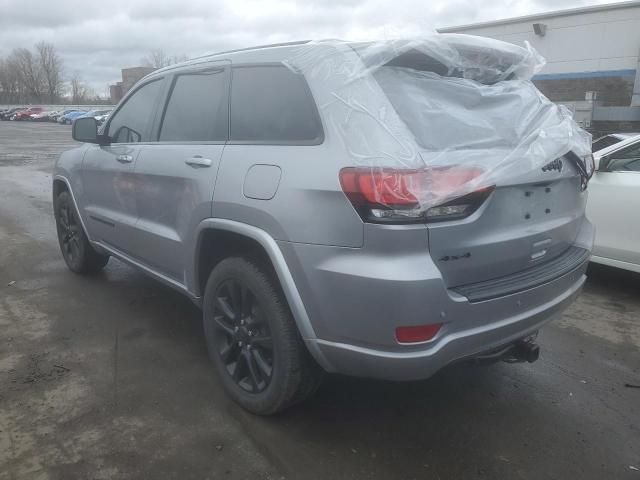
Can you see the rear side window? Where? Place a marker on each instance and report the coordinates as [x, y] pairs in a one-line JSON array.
[[131, 122], [271, 104], [198, 108]]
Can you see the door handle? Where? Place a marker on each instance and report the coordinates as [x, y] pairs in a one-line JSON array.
[[198, 161], [124, 158]]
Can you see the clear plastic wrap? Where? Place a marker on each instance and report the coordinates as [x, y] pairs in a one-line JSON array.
[[458, 112]]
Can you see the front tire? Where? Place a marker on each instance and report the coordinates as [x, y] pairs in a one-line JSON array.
[[76, 250], [253, 340]]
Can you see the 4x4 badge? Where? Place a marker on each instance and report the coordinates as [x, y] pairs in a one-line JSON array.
[[555, 165]]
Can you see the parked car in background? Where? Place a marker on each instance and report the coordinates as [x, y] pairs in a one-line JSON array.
[[614, 205], [303, 259], [42, 116], [57, 115], [610, 139], [7, 114], [22, 115], [103, 118], [67, 119], [92, 113]]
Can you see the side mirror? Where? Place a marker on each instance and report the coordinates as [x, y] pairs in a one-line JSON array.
[[86, 130]]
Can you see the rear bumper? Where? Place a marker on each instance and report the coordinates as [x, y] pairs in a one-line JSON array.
[[420, 364], [356, 297]]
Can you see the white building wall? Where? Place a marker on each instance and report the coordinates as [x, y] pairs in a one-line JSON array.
[[582, 40]]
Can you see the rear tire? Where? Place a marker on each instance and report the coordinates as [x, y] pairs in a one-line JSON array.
[[76, 250], [253, 340]]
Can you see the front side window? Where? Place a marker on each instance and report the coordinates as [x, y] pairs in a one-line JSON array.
[[131, 122], [271, 104], [198, 108], [627, 160]]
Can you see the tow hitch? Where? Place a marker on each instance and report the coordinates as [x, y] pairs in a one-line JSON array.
[[525, 350], [522, 351]]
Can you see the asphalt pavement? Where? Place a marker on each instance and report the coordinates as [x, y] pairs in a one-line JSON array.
[[108, 377]]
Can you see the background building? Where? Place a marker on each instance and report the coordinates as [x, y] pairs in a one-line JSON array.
[[129, 78], [115, 92], [592, 58]]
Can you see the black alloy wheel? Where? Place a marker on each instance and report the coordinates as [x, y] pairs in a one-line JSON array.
[[252, 337], [76, 249], [68, 233], [245, 346]]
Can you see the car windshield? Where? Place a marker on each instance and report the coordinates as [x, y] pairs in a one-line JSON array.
[[604, 142]]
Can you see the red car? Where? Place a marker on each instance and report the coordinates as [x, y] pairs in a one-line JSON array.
[[24, 114]]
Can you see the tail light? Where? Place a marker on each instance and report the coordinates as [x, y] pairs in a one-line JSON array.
[[389, 195]]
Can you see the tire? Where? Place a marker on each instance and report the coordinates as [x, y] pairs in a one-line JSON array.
[[253, 340], [76, 250]]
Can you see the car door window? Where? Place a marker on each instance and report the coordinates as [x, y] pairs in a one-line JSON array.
[[272, 104], [198, 108], [627, 160], [131, 122]]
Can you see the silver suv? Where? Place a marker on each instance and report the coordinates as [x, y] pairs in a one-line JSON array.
[[223, 178]]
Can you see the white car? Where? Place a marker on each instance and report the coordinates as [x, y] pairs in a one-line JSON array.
[[614, 205]]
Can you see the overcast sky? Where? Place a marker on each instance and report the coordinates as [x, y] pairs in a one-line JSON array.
[[99, 37]]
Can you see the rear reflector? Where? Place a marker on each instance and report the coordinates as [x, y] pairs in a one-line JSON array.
[[419, 333]]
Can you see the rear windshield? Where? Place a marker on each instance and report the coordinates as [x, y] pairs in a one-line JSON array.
[[483, 65], [445, 111], [447, 107], [469, 104]]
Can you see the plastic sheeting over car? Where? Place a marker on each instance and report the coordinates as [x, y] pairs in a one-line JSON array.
[[435, 118]]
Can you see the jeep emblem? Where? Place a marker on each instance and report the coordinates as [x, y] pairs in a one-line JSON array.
[[554, 165]]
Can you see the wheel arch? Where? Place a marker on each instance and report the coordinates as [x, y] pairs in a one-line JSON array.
[[246, 235], [62, 184], [59, 186]]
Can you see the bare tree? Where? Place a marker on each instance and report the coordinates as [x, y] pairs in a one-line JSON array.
[[179, 58], [31, 75], [79, 90], [4, 94], [51, 69], [9, 82], [29, 72], [158, 58]]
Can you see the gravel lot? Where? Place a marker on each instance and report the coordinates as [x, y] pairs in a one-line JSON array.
[[108, 377]]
